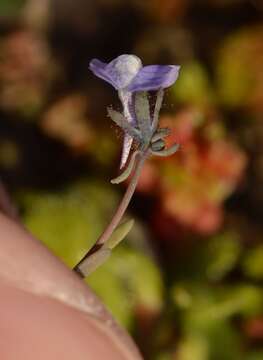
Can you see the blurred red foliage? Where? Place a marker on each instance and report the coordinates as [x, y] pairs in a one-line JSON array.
[[192, 185]]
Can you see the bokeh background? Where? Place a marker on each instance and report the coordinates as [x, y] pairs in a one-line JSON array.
[[187, 281]]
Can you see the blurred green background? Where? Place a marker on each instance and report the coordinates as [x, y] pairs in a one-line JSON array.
[[187, 281]]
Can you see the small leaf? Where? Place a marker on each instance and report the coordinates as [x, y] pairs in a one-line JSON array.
[[158, 145], [119, 234], [160, 134], [126, 173], [68, 221], [123, 123], [94, 261], [221, 255], [127, 280], [166, 152], [253, 263], [255, 355], [11, 8]]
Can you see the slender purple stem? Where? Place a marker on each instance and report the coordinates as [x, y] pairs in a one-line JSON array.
[[80, 267]]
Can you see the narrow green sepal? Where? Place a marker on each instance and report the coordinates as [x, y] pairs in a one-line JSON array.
[[123, 123], [166, 152], [160, 134], [158, 145], [126, 173]]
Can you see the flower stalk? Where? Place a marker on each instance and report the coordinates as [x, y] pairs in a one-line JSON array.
[[83, 267]]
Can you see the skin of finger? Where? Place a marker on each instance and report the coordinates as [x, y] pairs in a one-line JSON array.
[[34, 327], [28, 265]]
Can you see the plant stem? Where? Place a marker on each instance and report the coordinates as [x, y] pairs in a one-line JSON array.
[[80, 267]]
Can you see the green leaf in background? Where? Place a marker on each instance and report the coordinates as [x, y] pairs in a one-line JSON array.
[[207, 331], [70, 221], [128, 279], [209, 304], [164, 356], [253, 263], [216, 341], [193, 348], [255, 355], [238, 68], [223, 252], [249, 298], [10, 7], [192, 86], [119, 234], [206, 318], [211, 259], [224, 342], [113, 292]]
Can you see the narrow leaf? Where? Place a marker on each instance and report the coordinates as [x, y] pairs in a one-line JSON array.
[[119, 234], [160, 134], [94, 261], [166, 152], [121, 121], [158, 145], [126, 173]]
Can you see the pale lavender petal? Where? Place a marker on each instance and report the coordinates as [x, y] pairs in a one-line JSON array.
[[126, 148], [123, 69], [154, 77], [128, 112], [99, 68], [119, 72], [127, 100]]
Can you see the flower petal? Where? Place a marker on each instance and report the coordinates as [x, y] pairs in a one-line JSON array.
[[154, 77], [128, 111], [99, 69], [126, 148], [123, 69]]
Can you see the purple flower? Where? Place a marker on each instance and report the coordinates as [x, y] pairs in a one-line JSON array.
[[127, 75]]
